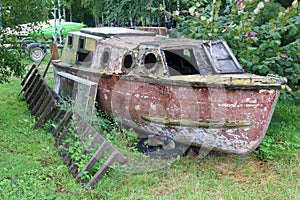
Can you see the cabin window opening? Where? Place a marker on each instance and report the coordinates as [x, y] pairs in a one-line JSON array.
[[70, 41], [187, 52], [128, 61], [84, 56], [223, 59], [81, 43], [150, 60], [181, 62]]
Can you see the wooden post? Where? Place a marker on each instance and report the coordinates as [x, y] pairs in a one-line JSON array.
[[54, 51]]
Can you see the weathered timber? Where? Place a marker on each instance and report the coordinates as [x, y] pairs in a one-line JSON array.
[[29, 80], [43, 103], [64, 121], [28, 74], [105, 147]]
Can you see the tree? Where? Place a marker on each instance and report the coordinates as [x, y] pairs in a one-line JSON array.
[[13, 14], [76, 12], [124, 12]]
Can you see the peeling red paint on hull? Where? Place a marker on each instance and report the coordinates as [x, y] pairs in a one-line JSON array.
[[219, 118], [129, 101]]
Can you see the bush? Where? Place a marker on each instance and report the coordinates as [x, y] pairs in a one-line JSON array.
[[270, 11], [10, 60], [264, 36]]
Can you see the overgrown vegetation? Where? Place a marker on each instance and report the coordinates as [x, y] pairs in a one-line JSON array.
[[30, 165], [283, 136], [32, 169], [111, 129], [265, 37]]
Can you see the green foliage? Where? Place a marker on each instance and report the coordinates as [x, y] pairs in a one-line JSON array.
[[270, 11], [12, 15], [122, 139], [285, 3], [29, 11], [129, 12], [79, 150], [10, 64], [282, 138], [264, 37], [107, 123], [30, 165]]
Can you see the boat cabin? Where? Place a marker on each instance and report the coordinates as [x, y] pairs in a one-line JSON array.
[[133, 52]]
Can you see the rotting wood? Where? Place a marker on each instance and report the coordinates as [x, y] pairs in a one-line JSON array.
[[29, 80], [31, 85], [36, 97], [27, 75], [43, 103], [47, 111], [39, 103], [105, 147], [58, 115], [64, 121], [200, 123], [100, 173], [34, 91], [63, 135]]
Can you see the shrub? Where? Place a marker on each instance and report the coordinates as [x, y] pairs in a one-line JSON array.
[[264, 36], [10, 60]]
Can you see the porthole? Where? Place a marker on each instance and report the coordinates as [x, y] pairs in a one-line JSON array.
[[150, 60], [128, 61]]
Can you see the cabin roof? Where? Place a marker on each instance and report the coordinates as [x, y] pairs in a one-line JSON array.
[[131, 38], [113, 31], [129, 42], [173, 42], [86, 35]]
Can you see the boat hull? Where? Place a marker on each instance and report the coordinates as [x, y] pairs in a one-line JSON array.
[[217, 118]]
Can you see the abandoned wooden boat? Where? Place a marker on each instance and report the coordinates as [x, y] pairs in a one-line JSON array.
[[194, 92]]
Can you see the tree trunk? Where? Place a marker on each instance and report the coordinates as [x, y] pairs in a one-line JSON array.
[[64, 14], [97, 22]]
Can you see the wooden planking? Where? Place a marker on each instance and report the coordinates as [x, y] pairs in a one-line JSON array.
[[98, 155], [48, 110], [43, 103], [28, 74], [115, 156], [63, 123], [36, 97], [32, 83], [35, 89]]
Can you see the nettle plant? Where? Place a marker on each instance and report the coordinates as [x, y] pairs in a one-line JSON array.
[[264, 36]]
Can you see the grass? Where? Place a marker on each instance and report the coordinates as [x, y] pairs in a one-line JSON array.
[[32, 169]]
